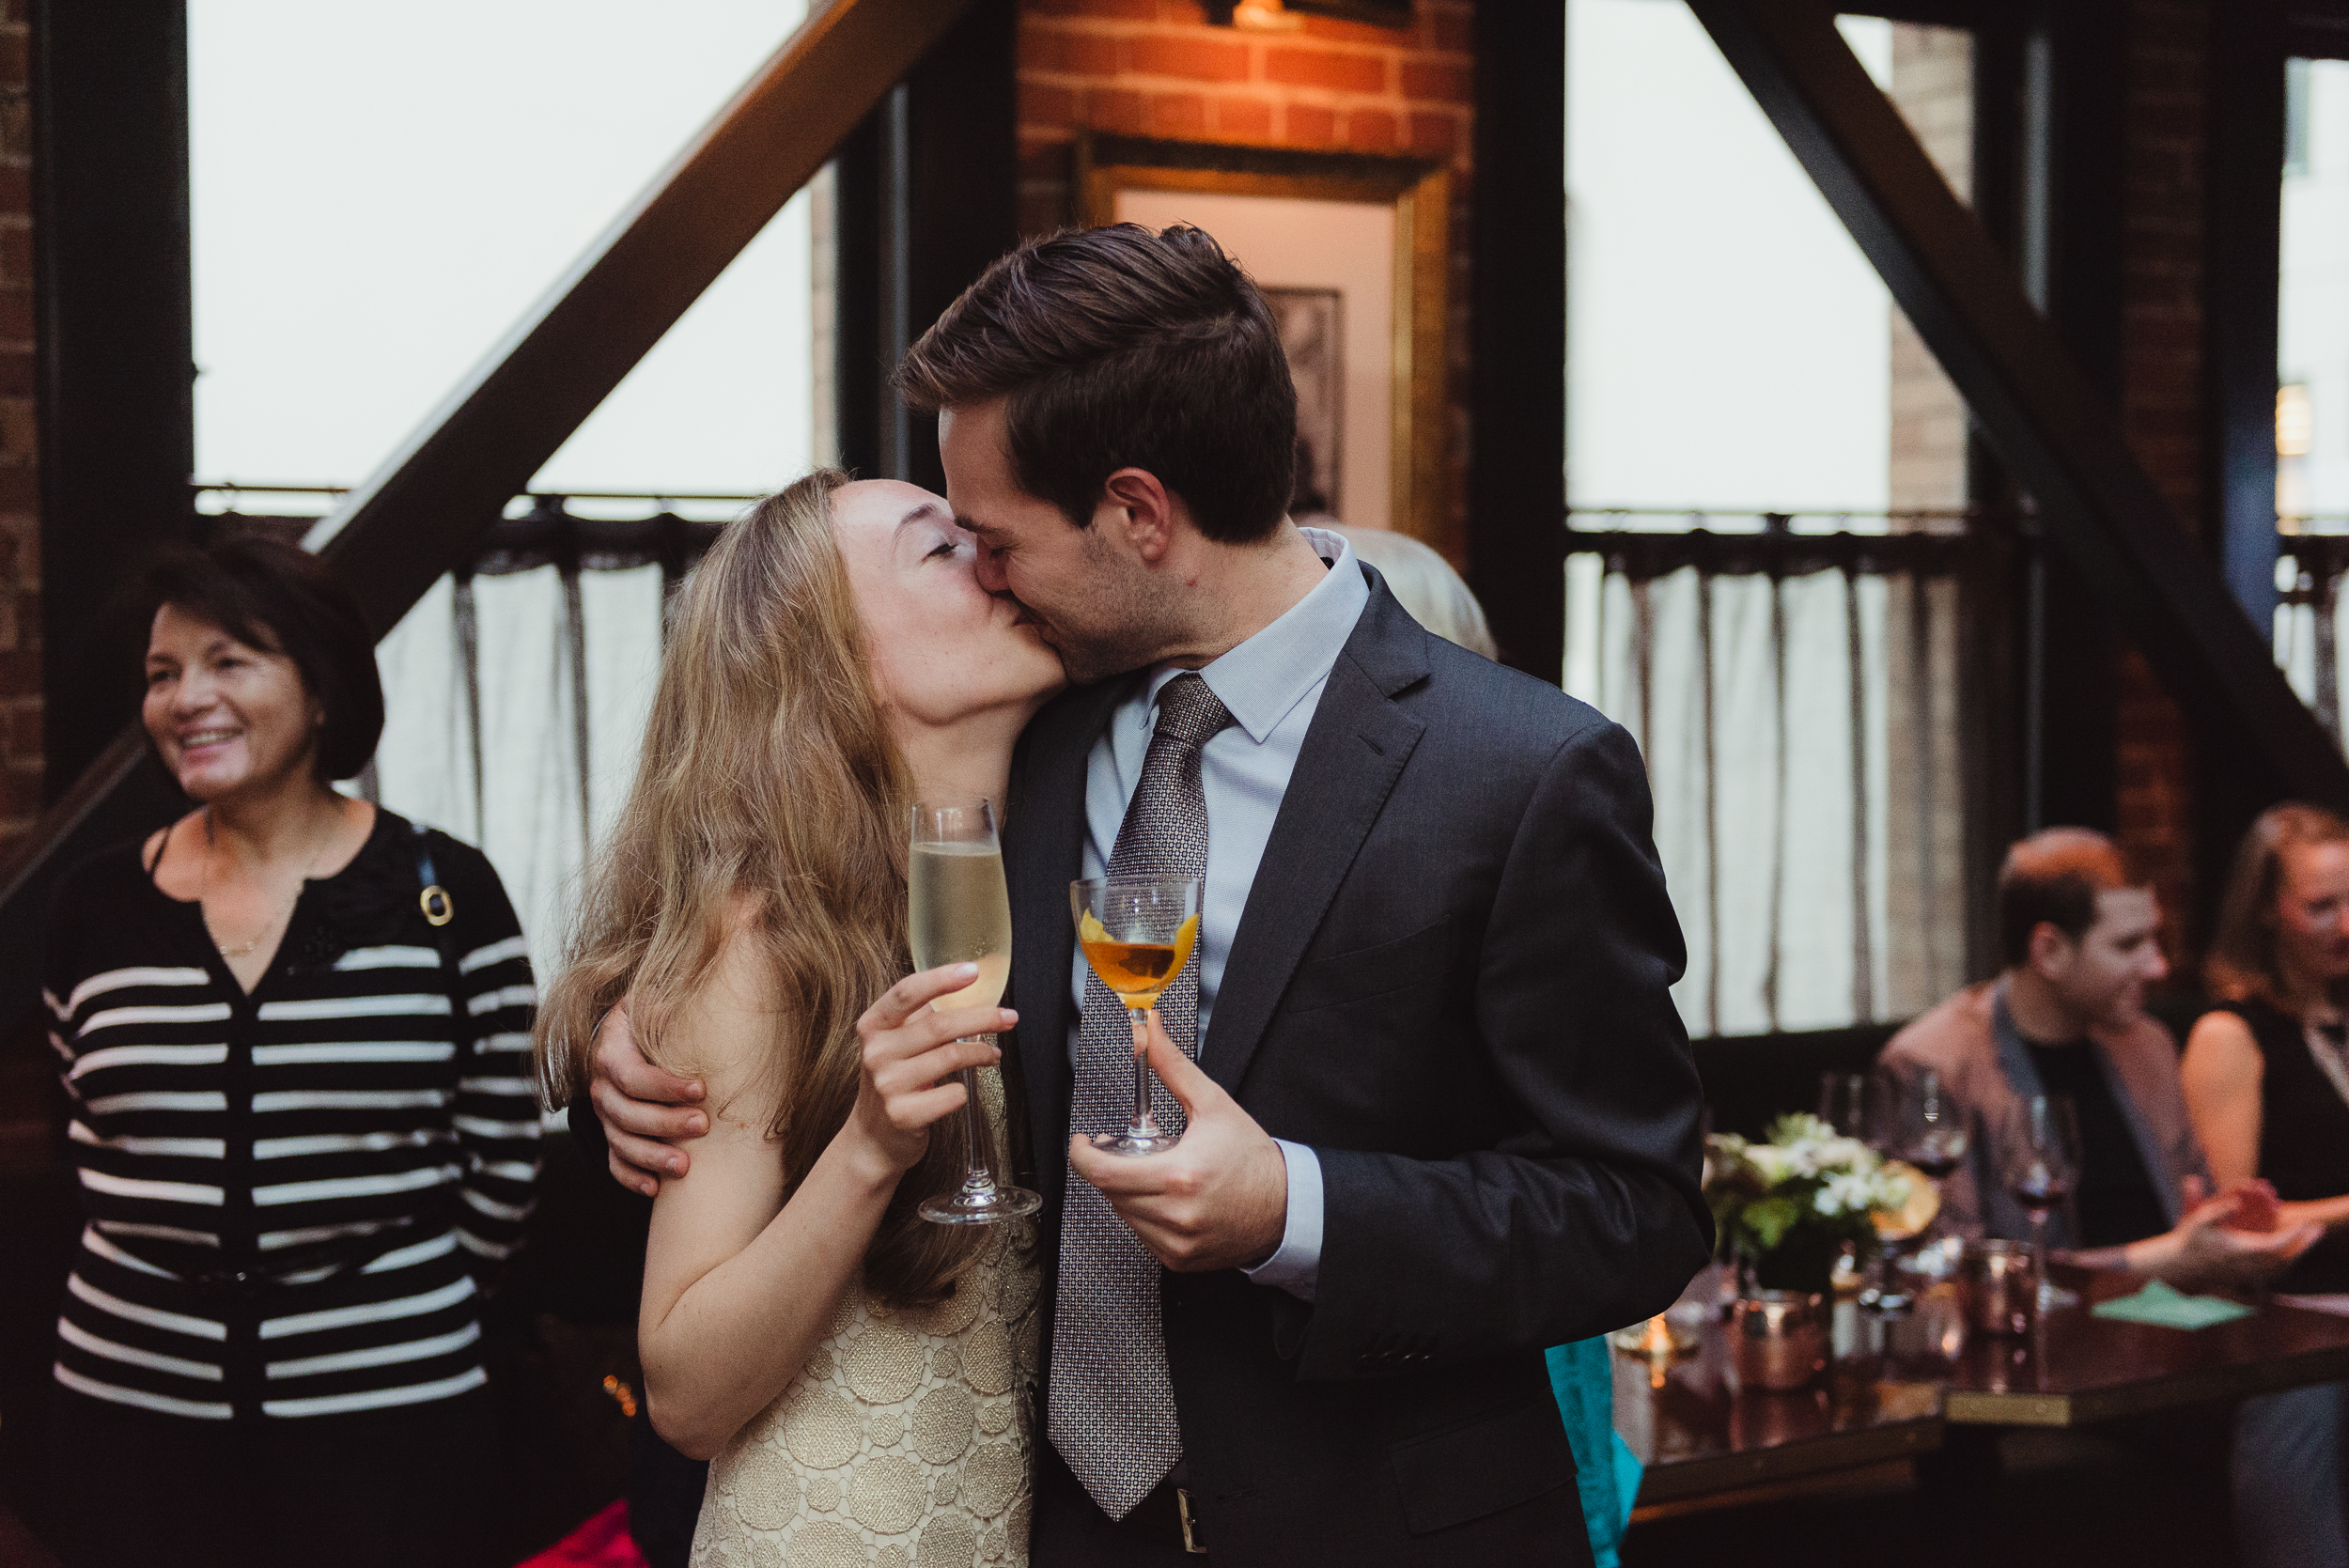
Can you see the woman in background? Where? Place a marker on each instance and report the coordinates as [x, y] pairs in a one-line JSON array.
[[301, 1116], [2267, 1086]]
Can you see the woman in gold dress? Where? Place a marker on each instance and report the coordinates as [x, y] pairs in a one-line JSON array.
[[860, 1377]]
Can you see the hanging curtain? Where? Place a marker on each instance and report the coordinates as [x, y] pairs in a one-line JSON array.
[[516, 694], [1793, 697]]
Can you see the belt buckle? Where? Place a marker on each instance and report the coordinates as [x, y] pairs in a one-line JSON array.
[[1190, 1525]]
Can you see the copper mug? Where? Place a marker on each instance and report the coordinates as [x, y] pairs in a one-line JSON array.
[[1778, 1339], [2002, 1280]]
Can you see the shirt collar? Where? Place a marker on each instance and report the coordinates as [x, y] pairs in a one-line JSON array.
[[1268, 675]]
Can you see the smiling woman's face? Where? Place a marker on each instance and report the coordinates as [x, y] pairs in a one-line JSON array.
[[944, 648], [224, 716]]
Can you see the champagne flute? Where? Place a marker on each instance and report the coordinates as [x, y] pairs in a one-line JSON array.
[[1137, 932], [961, 913], [2041, 1168]]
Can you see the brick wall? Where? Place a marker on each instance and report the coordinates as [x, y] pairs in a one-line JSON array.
[[2162, 414], [1933, 86], [19, 518], [1155, 67]]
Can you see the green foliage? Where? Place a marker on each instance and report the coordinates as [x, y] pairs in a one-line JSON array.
[[1806, 1189]]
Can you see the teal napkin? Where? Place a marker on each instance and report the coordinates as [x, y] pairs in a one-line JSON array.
[[2159, 1304]]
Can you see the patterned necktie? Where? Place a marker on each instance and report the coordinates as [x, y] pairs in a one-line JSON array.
[[1113, 1404]]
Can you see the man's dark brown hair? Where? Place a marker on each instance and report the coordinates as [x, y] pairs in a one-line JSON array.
[[2054, 877], [1118, 347]]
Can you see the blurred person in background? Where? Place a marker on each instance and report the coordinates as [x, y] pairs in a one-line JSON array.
[[294, 1032], [1422, 580], [2067, 1017], [2268, 1088]]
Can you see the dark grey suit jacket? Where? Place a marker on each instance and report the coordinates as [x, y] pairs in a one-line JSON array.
[[1450, 981]]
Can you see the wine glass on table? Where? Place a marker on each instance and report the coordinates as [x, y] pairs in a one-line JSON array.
[[1870, 1109], [1928, 1133], [1929, 1129], [961, 913], [2041, 1169], [1844, 1104], [1137, 932]]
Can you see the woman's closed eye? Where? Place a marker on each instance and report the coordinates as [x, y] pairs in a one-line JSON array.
[[944, 547]]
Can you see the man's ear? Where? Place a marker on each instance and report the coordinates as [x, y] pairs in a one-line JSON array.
[[1140, 510], [2050, 949]]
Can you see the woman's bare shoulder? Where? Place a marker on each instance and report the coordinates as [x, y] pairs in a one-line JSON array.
[[728, 1030], [2221, 1028], [166, 853]]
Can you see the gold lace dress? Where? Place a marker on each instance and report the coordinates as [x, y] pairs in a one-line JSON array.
[[904, 1442]]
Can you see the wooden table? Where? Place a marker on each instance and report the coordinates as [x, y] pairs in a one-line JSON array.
[[1699, 1439]]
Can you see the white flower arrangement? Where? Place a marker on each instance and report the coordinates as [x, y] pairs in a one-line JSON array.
[[1800, 1197]]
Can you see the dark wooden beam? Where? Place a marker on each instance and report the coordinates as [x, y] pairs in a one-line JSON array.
[[110, 232], [442, 489], [422, 511], [2042, 413], [2243, 273], [927, 195], [2245, 185], [1516, 543]]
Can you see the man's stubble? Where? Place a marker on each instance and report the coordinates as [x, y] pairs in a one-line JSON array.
[[1118, 620]]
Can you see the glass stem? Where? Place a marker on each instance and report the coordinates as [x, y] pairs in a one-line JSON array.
[[975, 1175], [1145, 1124]]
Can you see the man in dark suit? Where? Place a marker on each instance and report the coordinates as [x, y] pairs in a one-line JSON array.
[[1441, 1113]]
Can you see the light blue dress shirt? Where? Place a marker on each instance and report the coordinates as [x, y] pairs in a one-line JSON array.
[[1272, 684]]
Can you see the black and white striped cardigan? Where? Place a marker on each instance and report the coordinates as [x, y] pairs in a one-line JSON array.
[[290, 1195]]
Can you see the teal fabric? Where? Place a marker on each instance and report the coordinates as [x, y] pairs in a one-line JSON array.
[[1582, 1377]]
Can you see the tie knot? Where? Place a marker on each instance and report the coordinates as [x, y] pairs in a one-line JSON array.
[[1188, 711]]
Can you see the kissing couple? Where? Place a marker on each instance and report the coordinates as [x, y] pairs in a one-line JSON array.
[[1437, 1110]]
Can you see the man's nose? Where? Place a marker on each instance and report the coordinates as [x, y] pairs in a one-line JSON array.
[[989, 568]]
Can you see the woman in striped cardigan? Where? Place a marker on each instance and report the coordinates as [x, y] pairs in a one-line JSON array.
[[295, 1035]]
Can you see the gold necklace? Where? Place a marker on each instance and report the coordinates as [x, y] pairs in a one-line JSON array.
[[204, 889]]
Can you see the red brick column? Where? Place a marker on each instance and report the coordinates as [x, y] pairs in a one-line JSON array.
[[2163, 415]]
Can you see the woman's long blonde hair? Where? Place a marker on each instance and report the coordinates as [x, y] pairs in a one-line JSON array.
[[768, 775], [2243, 964]]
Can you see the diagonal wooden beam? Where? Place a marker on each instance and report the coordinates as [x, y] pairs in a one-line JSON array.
[[2048, 425], [424, 510], [430, 504]]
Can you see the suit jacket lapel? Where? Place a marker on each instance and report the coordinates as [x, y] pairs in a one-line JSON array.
[[1354, 751], [1044, 829]]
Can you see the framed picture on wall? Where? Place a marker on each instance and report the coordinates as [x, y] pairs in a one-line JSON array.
[[1351, 251]]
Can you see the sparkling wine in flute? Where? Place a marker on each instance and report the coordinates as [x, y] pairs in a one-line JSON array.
[[1137, 932], [959, 912]]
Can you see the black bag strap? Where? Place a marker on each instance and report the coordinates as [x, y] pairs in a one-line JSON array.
[[440, 912]]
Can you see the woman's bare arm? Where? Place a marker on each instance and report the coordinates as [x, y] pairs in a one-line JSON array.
[[739, 1284], [2222, 1070]]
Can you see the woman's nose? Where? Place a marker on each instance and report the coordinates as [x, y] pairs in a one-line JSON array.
[[192, 696]]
